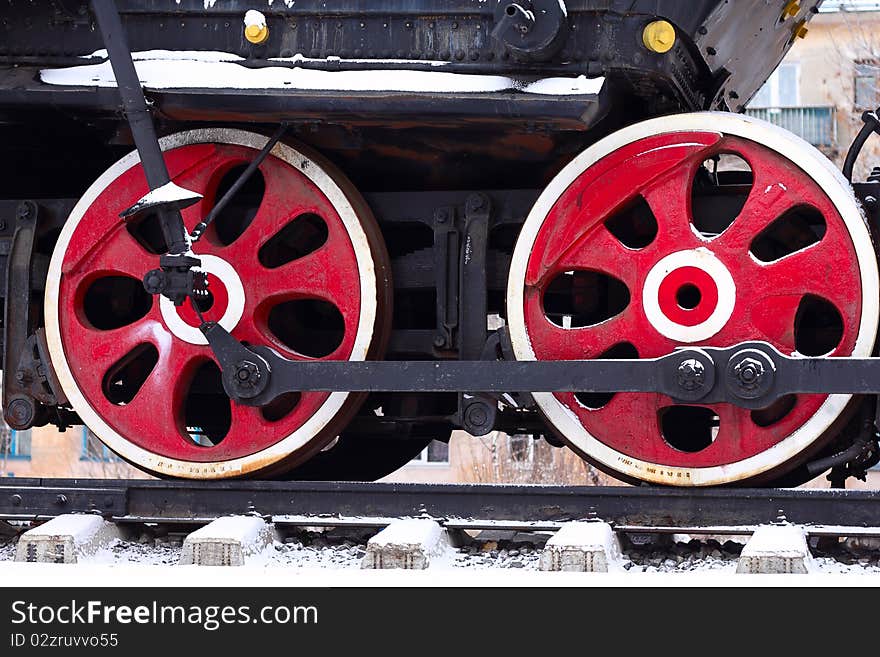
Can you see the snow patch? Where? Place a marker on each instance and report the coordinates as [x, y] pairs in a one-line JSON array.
[[565, 86], [163, 69], [776, 549], [300, 58], [80, 528], [229, 541], [583, 547], [252, 18], [411, 544]]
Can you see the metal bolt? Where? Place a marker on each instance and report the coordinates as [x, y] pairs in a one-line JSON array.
[[476, 415], [153, 282], [475, 202], [442, 216], [691, 374], [247, 374], [61, 500], [748, 372], [25, 210], [16, 500], [439, 340], [21, 412]]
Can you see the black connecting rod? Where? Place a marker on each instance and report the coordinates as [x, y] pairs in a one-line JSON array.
[[139, 120]]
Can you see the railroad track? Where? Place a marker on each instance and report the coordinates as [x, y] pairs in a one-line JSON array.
[[476, 506], [486, 526]]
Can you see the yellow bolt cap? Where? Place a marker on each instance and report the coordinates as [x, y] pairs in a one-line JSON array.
[[659, 36], [792, 8], [256, 33], [801, 32]]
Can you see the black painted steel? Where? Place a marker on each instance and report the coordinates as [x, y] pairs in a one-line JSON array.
[[20, 411], [142, 500], [750, 375], [138, 116], [595, 37]]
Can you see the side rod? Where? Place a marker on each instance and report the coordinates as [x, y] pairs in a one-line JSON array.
[[749, 375]]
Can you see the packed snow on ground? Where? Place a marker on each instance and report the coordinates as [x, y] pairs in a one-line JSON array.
[[7, 549], [163, 69], [316, 550]]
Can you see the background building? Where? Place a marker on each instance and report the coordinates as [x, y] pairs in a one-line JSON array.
[[827, 80]]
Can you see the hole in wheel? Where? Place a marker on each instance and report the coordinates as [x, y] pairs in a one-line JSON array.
[[688, 296], [584, 298], [147, 231], [796, 230], [203, 302], [299, 237], [238, 214], [719, 192], [596, 400], [207, 412], [126, 377], [311, 327], [635, 226], [112, 302], [688, 428], [818, 326]]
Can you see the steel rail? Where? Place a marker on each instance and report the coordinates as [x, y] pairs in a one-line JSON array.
[[491, 505]]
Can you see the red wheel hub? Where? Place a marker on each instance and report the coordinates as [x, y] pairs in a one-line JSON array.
[[115, 337], [688, 296], [213, 310], [683, 286]]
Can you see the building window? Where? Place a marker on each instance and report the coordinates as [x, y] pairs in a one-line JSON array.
[[436, 452], [15, 444], [522, 448], [782, 88], [865, 85], [94, 450]]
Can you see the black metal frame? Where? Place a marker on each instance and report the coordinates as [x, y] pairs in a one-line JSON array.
[[595, 37], [495, 505]]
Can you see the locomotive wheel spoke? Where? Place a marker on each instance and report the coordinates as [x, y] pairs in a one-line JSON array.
[[793, 266], [321, 274], [162, 397], [668, 200], [604, 253], [118, 253]]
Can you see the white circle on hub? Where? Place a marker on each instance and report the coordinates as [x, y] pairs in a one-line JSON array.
[[704, 260], [234, 308]]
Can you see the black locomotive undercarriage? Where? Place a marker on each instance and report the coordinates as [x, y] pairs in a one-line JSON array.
[[438, 170]]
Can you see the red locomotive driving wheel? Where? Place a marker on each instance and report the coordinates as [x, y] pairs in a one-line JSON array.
[[295, 262], [636, 249]]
